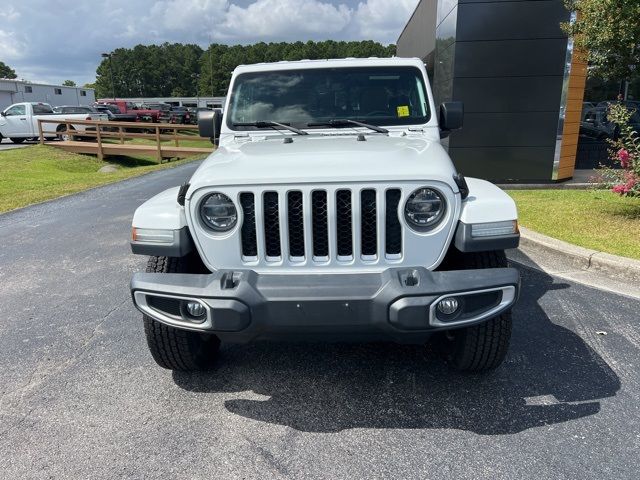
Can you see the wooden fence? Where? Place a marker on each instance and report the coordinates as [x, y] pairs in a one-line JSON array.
[[121, 131]]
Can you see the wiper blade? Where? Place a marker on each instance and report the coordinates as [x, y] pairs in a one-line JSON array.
[[271, 124], [343, 122]]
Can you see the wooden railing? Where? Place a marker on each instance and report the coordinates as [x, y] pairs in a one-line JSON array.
[[101, 130]]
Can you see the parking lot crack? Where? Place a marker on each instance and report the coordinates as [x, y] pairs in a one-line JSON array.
[[270, 458], [41, 373]]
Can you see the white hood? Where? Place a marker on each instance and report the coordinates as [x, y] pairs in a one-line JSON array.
[[323, 159]]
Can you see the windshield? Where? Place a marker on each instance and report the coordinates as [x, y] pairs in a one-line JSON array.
[[375, 95]]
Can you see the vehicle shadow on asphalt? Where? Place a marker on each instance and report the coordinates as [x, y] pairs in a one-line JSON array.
[[550, 376]]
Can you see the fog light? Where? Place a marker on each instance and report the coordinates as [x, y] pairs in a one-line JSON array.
[[448, 306], [196, 310]]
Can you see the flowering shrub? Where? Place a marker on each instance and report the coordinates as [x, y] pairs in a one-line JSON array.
[[625, 150]]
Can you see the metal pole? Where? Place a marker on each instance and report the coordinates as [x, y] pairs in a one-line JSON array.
[[113, 85], [211, 65], [113, 88], [196, 76]]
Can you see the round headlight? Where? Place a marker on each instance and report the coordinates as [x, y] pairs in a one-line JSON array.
[[424, 208], [218, 212]]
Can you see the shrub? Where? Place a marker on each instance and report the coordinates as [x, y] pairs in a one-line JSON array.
[[624, 151]]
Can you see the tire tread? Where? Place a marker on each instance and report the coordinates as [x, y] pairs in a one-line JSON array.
[[481, 347], [173, 348]]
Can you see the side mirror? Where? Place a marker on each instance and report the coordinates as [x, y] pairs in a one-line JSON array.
[[210, 124], [4, 114], [451, 116]]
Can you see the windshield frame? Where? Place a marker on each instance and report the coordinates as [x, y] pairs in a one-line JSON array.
[[386, 123]]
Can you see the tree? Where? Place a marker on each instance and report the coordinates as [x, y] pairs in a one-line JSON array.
[[609, 32], [168, 69], [149, 70], [218, 62], [6, 71], [69, 83]]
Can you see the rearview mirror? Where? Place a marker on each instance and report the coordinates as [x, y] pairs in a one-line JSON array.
[[451, 116], [209, 124]]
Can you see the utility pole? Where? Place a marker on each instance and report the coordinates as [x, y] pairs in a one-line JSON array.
[[197, 78], [113, 88], [211, 65]]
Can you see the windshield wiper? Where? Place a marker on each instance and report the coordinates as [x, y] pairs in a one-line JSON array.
[[271, 124], [343, 122]]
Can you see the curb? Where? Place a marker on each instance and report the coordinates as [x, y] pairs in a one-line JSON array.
[[548, 186], [582, 258]]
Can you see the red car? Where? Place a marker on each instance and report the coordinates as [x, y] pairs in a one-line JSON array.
[[142, 115]]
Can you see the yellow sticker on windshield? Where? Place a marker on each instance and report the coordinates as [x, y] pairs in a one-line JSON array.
[[403, 111]]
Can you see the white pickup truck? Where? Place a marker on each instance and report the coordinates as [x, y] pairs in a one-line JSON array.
[[19, 121]]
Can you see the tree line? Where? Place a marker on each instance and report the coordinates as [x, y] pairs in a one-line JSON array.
[[188, 70], [6, 71]]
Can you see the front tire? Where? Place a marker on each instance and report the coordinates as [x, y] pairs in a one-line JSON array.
[[482, 347], [173, 348], [17, 141]]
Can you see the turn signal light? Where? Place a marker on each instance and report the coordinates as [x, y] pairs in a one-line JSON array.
[[152, 235], [494, 229]]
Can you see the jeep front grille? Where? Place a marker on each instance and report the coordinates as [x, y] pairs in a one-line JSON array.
[[321, 225], [322, 228]]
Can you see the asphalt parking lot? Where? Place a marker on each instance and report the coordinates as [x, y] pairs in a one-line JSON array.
[[6, 144], [82, 398]]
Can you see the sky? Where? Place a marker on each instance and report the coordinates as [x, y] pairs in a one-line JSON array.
[[50, 41]]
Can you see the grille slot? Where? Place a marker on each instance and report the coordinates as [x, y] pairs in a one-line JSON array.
[[393, 238], [368, 223], [249, 240], [272, 225], [319, 222], [296, 225], [344, 229]]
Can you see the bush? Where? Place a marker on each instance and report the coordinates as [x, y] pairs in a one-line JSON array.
[[624, 151]]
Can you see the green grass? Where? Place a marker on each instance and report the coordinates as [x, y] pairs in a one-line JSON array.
[[38, 173], [595, 219]]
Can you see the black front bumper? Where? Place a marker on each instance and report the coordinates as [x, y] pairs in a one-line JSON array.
[[397, 304]]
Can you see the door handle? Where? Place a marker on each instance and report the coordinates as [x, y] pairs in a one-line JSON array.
[[23, 119]]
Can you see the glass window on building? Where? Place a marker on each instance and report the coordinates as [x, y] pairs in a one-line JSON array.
[[595, 127], [57, 91], [28, 89], [83, 93]]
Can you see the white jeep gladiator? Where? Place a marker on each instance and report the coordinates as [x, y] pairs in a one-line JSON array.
[[330, 210]]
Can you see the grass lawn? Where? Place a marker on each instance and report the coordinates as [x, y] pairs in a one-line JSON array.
[[595, 219], [34, 174]]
